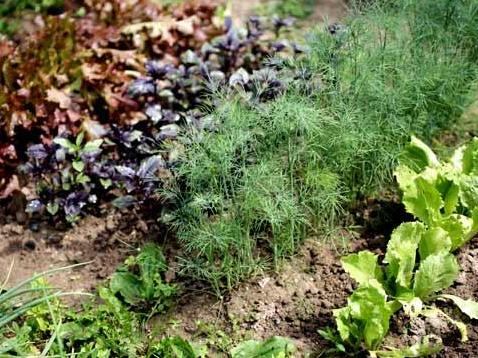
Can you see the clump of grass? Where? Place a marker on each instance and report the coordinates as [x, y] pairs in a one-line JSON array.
[[249, 193]]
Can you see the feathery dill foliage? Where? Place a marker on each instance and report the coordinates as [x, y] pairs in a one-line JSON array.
[[273, 174]]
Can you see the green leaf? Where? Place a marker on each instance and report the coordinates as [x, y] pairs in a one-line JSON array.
[[469, 191], [52, 208], [434, 274], [92, 146], [174, 347], [426, 204], [427, 346], [417, 155], [65, 143], [466, 158], [106, 183], [362, 266], [128, 285], [401, 252], [78, 165], [448, 188], [459, 228], [433, 241], [81, 178], [368, 306], [468, 307], [275, 347], [79, 139]]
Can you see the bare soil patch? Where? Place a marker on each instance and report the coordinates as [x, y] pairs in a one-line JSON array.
[[102, 242]]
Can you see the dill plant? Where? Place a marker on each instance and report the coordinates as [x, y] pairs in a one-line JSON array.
[[249, 193]]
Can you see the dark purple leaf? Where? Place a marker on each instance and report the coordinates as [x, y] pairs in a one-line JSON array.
[[125, 172], [149, 167], [34, 206], [37, 151], [158, 70], [154, 113], [142, 87], [74, 203]]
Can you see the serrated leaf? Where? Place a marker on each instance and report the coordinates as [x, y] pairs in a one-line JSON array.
[[362, 267], [468, 307], [368, 305], [417, 155], [106, 183], [469, 191], [433, 241], [434, 274], [468, 160], [459, 228], [401, 252]]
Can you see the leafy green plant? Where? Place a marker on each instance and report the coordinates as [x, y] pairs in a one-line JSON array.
[[139, 281], [274, 347], [176, 347], [113, 327], [419, 261]]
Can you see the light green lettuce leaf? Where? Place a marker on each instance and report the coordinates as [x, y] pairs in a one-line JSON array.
[[468, 307], [469, 191], [427, 346], [362, 267], [417, 155], [368, 305], [460, 228], [446, 184], [401, 252], [435, 273], [465, 158], [433, 241]]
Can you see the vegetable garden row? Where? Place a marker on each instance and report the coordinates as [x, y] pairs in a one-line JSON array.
[[238, 142]]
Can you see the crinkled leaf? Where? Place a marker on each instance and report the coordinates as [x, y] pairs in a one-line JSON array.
[[417, 155], [368, 306], [362, 267], [466, 158], [460, 229], [434, 274], [433, 241], [469, 191], [275, 347], [401, 252]]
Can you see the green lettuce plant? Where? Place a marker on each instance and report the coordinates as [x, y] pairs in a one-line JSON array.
[[419, 260]]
